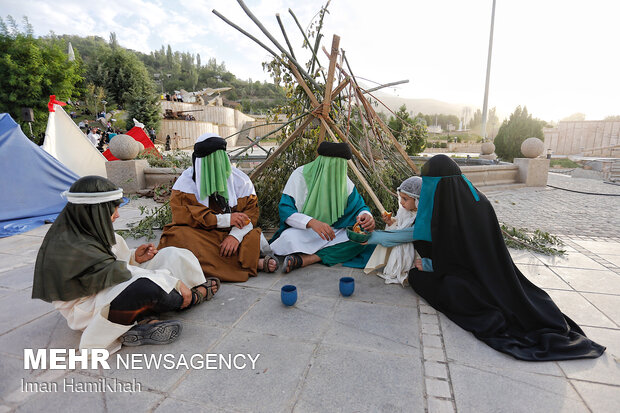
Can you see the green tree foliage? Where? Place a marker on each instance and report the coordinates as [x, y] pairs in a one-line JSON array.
[[122, 75], [475, 123], [410, 132], [514, 131], [440, 119], [31, 70]]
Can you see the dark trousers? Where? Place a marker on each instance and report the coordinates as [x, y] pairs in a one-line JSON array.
[[141, 299]]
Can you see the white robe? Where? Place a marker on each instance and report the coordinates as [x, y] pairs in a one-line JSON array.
[[398, 260], [298, 238], [90, 314]]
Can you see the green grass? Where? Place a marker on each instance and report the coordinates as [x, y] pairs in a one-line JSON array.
[[564, 163]]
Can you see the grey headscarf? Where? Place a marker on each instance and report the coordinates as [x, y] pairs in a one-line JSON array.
[[411, 186]]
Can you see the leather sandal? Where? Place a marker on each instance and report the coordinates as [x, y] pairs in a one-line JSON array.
[[266, 260], [292, 262]]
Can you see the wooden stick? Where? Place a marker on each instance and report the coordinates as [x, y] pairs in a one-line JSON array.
[[281, 148], [327, 96], [366, 186], [399, 82], [341, 86], [304, 86], [387, 131], [284, 34], [261, 44], [328, 125], [330, 74], [275, 42], [316, 58]]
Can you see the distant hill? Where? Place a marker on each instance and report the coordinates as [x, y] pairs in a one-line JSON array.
[[426, 106]]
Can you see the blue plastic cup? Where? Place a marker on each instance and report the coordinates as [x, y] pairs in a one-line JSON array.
[[347, 286], [288, 294]]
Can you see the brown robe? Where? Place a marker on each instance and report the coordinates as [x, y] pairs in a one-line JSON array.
[[194, 226]]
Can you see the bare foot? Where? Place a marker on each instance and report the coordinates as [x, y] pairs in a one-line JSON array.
[[271, 266]]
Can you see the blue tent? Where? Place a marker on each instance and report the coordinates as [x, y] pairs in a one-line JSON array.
[[32, 181]]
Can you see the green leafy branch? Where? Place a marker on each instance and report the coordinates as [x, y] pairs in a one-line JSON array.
[[156, 218], [538, 241]]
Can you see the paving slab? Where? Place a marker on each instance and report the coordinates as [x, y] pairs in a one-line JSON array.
[[306, 320], [605, 369], [350, 380], [543, 276], [378, 327], [19, 308], [579, 309], [271, 387], [598, 281], [599, 397], [463, 348], [482, 389]]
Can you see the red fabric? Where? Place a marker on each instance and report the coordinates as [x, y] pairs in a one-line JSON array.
[[141, 136], [50, 104]]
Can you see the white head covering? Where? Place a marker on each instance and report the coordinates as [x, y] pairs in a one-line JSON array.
[[238, 183]]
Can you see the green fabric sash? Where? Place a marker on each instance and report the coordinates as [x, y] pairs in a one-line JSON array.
[[326, 180], [214, 172]]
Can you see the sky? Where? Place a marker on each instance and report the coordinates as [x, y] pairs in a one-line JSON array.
[[557, 57]]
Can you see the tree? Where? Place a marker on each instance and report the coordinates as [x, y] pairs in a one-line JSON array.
[[144, 107], [514, 131], [31, 70], [122, 75], [411, 132], [616, 117]]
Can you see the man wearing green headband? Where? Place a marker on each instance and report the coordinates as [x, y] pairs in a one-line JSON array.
[[318, 202], [214, 211]]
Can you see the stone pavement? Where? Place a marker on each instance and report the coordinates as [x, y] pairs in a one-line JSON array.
[[563, 212], [381, 350]]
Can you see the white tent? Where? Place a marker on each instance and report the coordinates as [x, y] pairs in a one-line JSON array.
[[66, 142]]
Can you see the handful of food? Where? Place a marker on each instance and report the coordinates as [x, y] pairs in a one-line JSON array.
[[357, 228], [246, 222], [386, 215], [357, 234]]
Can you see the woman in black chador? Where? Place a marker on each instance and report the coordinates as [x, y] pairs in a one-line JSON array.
[[474, 281]]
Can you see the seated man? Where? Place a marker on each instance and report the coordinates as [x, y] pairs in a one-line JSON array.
[[318, 202], [214, 210]]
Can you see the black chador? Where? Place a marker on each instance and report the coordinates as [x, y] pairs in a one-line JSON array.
[[474, 280]]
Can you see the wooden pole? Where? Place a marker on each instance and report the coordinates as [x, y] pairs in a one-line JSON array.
[[326, 124], [316, 58], [276, 44], [281, 148], [366, 186], [290, 48], [329, 84], [261, 44], [387, 131]]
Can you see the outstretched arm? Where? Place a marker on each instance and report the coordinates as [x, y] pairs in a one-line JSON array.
[[391, 238]]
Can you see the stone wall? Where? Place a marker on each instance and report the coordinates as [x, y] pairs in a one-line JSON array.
[[572, 138], [214, 119]]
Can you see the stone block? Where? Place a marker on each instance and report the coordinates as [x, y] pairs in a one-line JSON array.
[[155, 177], [533, 172], [129, 175], [491, 156]]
